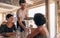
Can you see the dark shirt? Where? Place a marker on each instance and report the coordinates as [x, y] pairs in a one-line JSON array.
[[4, 28], [0, 29], [20, 28]]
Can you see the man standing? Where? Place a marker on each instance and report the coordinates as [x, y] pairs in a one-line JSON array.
[[21, 14]]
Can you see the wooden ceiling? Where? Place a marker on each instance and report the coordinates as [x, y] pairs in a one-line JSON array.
[[16, 3], [7, 8], [30, 3]]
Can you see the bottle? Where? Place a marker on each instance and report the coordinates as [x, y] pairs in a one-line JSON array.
[[18, 33]]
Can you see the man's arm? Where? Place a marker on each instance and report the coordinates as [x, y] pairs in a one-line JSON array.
[[26, 15], [17, 14], [21, 24]]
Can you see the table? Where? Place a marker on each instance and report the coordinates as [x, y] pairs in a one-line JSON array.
[[12, 36], [15, 35]]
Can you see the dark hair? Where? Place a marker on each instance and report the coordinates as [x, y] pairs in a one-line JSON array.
[[21, 1], [39, 19], [8, 16]]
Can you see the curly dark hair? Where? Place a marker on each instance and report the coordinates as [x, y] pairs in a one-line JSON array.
[[21, 1], [39, 19], [8, 16]]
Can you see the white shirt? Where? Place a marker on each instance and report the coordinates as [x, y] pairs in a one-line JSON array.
[[21, 13]]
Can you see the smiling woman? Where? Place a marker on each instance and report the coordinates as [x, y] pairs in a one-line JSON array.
[[8, 27]]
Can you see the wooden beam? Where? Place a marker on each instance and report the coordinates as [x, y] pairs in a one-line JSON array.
[[56, 18], [2, 17], [38, 3], [47, 14], [36, 6]]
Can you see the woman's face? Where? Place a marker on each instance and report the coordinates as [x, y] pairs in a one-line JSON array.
[[10, 19]]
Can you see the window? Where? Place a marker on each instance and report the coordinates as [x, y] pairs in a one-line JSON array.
[[33, 11]]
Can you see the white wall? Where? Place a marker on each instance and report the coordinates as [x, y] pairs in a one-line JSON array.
[[40, 9], [52, 20]]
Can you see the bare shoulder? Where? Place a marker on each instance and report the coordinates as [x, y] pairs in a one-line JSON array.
[[42, 30]]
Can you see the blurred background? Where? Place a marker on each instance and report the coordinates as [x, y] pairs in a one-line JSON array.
[[50, 8]]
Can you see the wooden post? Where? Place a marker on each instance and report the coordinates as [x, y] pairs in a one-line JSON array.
[[47, 13], [56, 18], [2, 17]]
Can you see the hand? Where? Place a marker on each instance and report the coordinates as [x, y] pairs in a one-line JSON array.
[[11, 33], [29, 36], [26, 29]]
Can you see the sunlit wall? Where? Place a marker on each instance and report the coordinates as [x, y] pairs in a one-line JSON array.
[[52, 20]]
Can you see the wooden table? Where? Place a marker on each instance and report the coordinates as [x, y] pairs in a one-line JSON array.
[[15, 35], [12, 36]]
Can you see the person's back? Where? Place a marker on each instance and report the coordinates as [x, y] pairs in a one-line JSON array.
[[41, 30], [40, 36], [42, 33]]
